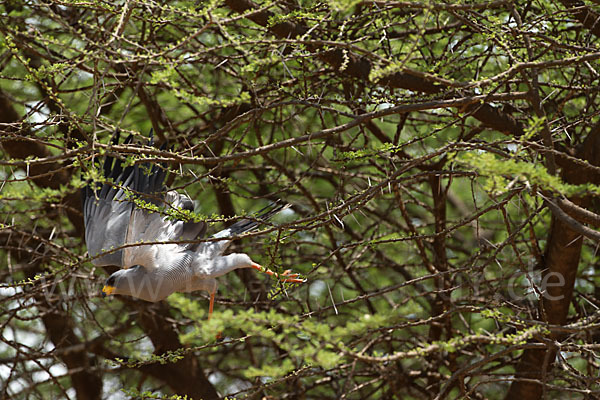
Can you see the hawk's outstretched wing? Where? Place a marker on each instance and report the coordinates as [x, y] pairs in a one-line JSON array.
[[112, 219]]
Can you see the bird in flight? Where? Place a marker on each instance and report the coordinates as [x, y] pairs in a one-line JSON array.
[[158, 253]]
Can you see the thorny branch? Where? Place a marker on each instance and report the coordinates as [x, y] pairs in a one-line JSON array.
[[442, 257]]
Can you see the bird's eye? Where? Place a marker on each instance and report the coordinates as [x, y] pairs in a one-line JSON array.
[[110, 281]]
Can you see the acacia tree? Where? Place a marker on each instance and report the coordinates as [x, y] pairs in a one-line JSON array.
[[441, 160]]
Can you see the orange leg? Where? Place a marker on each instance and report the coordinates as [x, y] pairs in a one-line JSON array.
[[286, 276], [211, 305]]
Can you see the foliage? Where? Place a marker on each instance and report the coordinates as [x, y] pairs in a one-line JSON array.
[[419, 144]]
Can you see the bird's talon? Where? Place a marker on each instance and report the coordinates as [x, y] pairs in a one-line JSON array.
[[293, 279], [285, 276]]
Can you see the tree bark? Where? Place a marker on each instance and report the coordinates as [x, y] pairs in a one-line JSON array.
[[561, 261]]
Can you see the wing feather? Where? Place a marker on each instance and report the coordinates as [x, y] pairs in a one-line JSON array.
[[186, 230], [106, 213], [112, 220], [146, 226]]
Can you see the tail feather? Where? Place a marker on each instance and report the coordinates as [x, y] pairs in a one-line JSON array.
[[246, 225]]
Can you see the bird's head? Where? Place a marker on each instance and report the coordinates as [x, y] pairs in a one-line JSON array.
[[117, 283], [137, 283]]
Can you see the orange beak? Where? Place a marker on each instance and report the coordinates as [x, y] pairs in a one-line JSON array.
[[107, 290]]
